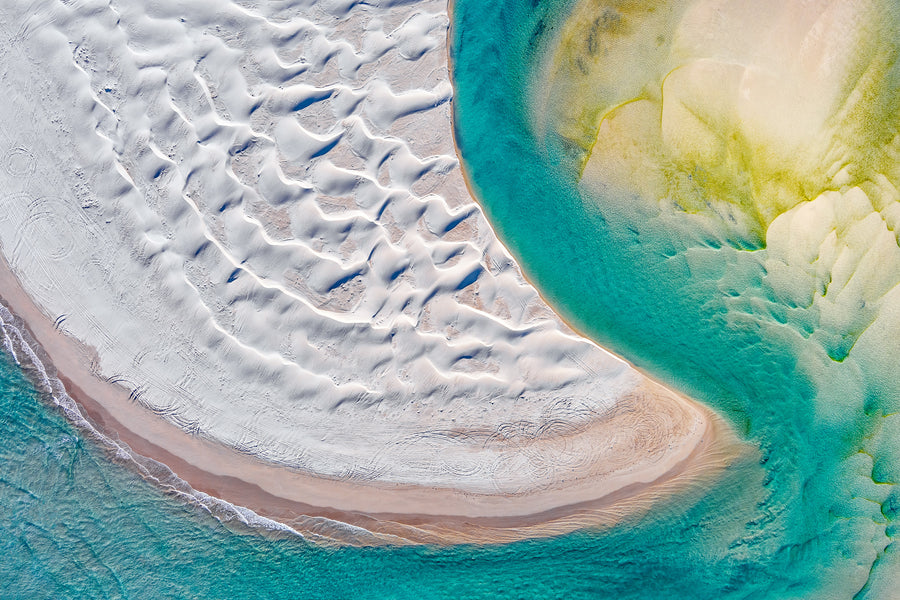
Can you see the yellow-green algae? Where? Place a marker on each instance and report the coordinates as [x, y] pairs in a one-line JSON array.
[[760, 111], [609, 51], [747, 115]]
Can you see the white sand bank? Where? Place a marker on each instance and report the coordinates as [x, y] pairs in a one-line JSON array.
[[252, 219]]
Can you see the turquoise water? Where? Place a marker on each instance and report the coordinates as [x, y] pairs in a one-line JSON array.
[[694, 305], [75, 525], [811, 516]]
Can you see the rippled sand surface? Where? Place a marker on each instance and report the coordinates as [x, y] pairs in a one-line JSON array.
[[252, 218]]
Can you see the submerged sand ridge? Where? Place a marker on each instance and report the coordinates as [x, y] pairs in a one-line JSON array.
[[773, 125], [243, 238]]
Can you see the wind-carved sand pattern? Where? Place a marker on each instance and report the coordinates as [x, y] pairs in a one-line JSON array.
[[251, 218]]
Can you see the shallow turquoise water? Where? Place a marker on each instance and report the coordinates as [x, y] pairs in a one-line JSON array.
[[815, 517], [75, 525], [812, 516]]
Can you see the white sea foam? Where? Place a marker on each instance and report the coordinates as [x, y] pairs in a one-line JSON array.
[[26, 352], [254, 213]]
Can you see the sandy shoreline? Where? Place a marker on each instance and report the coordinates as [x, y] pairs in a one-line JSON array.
[[414, 514], [269, 277]]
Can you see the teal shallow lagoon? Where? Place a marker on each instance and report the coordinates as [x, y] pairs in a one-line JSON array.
[[697, 306]]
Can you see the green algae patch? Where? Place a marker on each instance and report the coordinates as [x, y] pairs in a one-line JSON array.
[[703, 109], [607, 53], [776, 125]]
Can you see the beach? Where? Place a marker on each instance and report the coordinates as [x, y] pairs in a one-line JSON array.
[[246, 245]]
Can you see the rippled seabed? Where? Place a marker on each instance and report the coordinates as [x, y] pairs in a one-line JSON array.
[[803, 520], [811, 381]]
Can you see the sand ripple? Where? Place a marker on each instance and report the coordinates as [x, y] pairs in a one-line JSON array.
[[253, 213]]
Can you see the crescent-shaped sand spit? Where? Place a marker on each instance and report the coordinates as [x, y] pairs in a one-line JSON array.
[[242, 237]]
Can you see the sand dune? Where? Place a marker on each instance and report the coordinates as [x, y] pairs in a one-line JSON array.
[[252, 219]]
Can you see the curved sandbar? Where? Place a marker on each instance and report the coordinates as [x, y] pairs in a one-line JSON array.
[[262, 242], [397, 513]]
